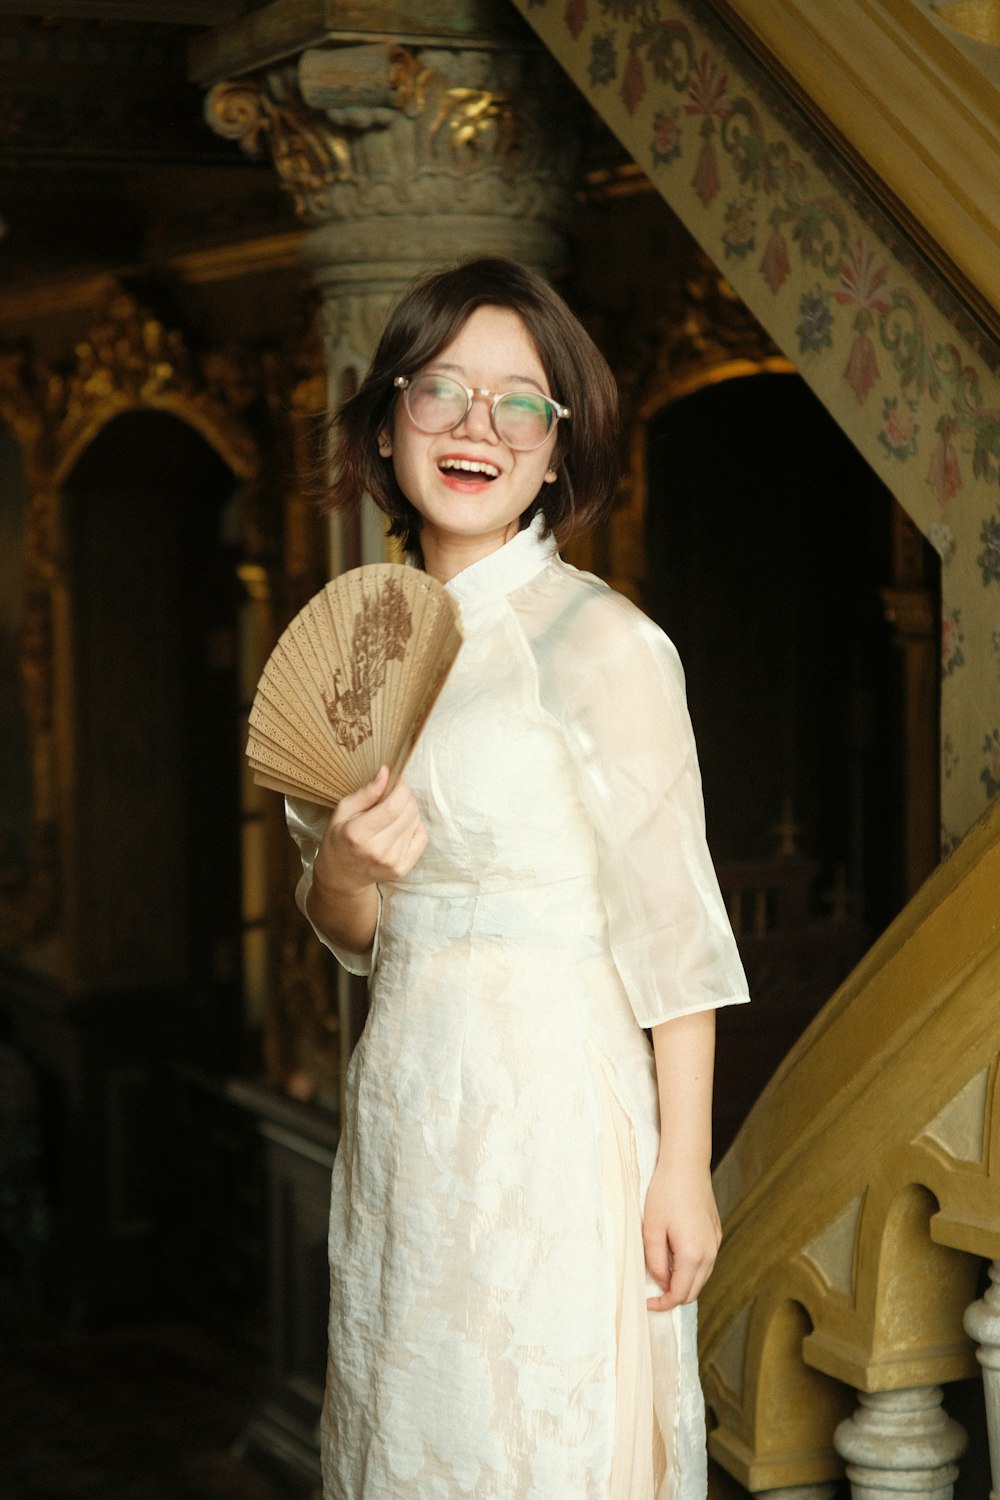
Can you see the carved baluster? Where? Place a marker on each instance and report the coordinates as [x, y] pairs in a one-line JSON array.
[[982, 1322], [901, 1443]]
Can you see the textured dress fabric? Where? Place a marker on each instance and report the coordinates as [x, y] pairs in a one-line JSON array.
[[488, 1330]]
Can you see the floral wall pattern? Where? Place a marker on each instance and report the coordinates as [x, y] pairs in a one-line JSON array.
[[895, 359]]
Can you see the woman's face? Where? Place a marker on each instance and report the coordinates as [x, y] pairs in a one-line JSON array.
[[492, 351]]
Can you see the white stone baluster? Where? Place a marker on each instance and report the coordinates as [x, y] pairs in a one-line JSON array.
[[901, 1443], [982, 1322]]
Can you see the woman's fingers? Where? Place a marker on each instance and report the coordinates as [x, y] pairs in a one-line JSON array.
[[365, 797], [377, 835], [681, 1275]]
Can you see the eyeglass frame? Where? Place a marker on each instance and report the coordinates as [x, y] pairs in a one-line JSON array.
[[404, 383]]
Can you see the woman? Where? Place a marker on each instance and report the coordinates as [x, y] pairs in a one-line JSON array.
[[522, 1211]]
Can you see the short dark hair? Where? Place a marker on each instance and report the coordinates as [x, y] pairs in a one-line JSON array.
[[429, 314]]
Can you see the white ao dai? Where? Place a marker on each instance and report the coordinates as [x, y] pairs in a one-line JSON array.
[[488, 1332]]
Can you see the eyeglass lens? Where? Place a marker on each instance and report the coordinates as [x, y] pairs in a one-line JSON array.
[[521, 419]]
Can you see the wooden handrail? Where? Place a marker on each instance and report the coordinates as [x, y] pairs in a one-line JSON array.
[[861, 1194]]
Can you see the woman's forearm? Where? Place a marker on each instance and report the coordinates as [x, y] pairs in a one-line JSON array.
[[685, 1063], [345, 919], [680, 1228]]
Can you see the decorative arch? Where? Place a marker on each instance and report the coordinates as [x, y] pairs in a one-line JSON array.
[[128, 361], [704, 336], [131, 361], [898, 1260]]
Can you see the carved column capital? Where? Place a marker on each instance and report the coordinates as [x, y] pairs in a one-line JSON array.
[[385, 131], [309, 153], [403, 158]]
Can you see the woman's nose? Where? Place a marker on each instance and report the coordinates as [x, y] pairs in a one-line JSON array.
[[478, 422]]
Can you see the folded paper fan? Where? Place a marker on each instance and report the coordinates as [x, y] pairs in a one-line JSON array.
[[351, 681]]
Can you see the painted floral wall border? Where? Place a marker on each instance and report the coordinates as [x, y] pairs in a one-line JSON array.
[[874, 330]]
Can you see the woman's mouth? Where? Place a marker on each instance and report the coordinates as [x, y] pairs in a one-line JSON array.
[[468, 469]]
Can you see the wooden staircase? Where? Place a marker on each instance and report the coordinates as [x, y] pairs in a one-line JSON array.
[[861, 1207]]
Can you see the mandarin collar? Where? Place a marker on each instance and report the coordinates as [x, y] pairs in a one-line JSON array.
[[501, 572]]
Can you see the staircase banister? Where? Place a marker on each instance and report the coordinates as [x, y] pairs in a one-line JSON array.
[[860, 1196], [835, 1054]]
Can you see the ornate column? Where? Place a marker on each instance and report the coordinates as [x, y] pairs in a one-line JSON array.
[[901, 1443], [404, 159], [982, 1322]]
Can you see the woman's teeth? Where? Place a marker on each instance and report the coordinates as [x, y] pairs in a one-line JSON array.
[[469, 466]]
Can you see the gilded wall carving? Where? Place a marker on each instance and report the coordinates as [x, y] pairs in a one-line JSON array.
[[308, 153], [128, 361]]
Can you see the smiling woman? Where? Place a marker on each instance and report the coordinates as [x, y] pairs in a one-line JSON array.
[[429, 333], [521, 1213], [469, 484]]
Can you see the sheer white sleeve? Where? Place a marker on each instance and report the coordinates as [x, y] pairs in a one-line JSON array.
[[615, 683], [307, 824]]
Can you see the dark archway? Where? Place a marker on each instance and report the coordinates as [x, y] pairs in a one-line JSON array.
[[771, 544], [154, 845]]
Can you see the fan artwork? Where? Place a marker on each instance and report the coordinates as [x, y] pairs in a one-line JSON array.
[[351, 681]]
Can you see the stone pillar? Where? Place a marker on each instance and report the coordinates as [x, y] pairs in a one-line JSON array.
[[982, 1322], [901, 1443], [404, 159]]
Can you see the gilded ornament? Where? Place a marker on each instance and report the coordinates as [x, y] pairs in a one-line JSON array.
[[470, 114], [308, 153], [129, 359]]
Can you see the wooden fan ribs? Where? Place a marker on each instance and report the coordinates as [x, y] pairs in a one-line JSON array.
[[350, 683]]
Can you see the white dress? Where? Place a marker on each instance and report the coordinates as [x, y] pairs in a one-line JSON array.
[[488, 1330]]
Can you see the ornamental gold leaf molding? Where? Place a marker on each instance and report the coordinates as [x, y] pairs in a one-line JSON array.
[[309, 154], [128, 361]]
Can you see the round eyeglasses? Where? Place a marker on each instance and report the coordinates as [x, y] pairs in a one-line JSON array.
[[521, 419]]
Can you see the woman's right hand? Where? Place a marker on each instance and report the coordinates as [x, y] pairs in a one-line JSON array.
[[371, 837]]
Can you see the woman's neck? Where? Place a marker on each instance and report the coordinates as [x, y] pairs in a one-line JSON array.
[[446, 554]]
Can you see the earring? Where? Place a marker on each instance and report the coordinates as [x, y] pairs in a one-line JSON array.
[[384, 445], [550, 476]]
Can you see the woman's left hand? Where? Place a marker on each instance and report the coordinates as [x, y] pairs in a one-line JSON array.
[[681, 1233]]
